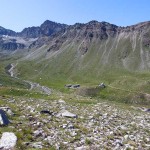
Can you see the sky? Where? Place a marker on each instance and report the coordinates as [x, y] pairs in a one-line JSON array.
[[18, 14]]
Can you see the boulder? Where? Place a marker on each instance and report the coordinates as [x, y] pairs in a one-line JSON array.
[[37, 145], [7, 110], [8, 141], [3, 118], [148, 110], [66, 113]]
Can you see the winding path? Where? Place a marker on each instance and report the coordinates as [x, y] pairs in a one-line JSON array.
[[33, 85]]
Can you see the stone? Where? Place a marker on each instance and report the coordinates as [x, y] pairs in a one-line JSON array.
[[38, 132], [61, 101], [7, 110], [68, 85], [82, 148], [37, 145], [70, 126], [68, 114], [132, 137], [64, 126], [8, 140], [3, 118], [148, 110], [73, 133], [102, 85]]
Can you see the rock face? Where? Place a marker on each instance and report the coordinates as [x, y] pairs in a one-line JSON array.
[[128, 46], [11, 46], [4, 31], [24, 39], [30, 32], [3, 118], [49, 27], [11, 43], [46, 29], [8, 141]]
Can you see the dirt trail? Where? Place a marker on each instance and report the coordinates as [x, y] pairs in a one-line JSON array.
[[33, 86]]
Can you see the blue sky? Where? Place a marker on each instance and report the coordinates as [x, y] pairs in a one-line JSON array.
[[17, 14]]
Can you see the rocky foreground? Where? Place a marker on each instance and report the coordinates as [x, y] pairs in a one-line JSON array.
[[80, 124]]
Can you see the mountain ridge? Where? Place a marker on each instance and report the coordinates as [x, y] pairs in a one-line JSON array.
[[126, 47], [6, 31]]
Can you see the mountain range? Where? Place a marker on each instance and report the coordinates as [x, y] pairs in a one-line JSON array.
[[90, 30], [75, 50]]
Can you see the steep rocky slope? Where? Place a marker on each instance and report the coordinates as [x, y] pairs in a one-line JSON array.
[[11, 40], [4, 31], [126, 47], [46, 29]]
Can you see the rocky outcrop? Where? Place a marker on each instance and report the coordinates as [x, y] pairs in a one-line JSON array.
[[49, 27], [126, 47], [46, 29], [30, 32], [4, 31], [11, 46], [10, 40]]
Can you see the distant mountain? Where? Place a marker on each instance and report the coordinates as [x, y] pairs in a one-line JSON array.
[[4, 31], [102, 44], [108, 44], [46, 29], [49, 27], [11, 40]]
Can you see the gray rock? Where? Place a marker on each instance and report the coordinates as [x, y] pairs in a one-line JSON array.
[[3, 118], [8, 140], [68, 85], [7, 110], [37, 145], [61, 101], [82, 148], [64, 126], [148, 110], [66, 113], [38, 132], [70, 126], [102, 85]]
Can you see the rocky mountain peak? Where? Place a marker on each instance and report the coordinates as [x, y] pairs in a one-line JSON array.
[[4, 31], [49, 27], [46, 29], [30, 32]]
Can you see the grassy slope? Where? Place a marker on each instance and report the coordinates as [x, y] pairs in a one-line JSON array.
[[113, 62], [116, 61], [5, 78]]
